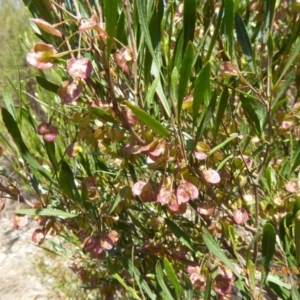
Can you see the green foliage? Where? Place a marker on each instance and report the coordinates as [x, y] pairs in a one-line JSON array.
[[170, 154]]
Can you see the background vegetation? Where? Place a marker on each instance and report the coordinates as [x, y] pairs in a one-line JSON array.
[[166, 151]]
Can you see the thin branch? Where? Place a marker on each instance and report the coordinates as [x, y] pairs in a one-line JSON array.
[[134, 52]]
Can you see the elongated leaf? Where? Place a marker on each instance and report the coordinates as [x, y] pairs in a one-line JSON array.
[[142, 12], [202, 91], [289, 78], [67, 182], [295, 158], [268, 247], [185, 74], [295, 293], [206, 117], [229, 18], [188, 288], [134, 272], [207, 291], [127, 287], [8, 102], [274, 279], [13, 129], [178, 52], [114, 204], [148, 120], [151, 92], [243, 37], [172, 277], [269, 10], [47, 85], [215, 249], [232, 137], [250, 110], [180, 234], [114, 273], [251, 272], [155, 35], [216, 32], [189, 21], [296, 207], [174, 82], [297, 237], [102, 114], [163, 100], [46, 212], [292, 57], [160, 278], [50, 150], [221, 110], [111, 17]]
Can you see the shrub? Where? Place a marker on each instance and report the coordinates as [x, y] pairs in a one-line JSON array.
[[171, 151]]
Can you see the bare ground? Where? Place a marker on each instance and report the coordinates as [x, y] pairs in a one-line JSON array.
[[17, 254]]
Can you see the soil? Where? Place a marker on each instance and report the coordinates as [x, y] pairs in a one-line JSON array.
[[17, 254]]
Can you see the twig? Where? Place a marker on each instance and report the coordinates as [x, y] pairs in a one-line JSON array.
[[134, 52]]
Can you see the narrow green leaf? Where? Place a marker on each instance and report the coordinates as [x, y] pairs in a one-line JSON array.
[[269, 10], [250, 110], [114, 273], [297, 237], [174, 82], [178, 52], [216, 33], [296, 207], [121, 29], [232, 238], [163, 100], [127, 288], [67, 182], [102, 114], [151, 92], [138, 277], [46, 212], [188, 288], [232, 137], [50, 150], [207, 291], [206, 117], [189, 21], [160, 279], [47, 85], [287, 82], [172, 277], [221, 110], [251, 272], [274, 279], [180, 234], [202, 90], [292, 56], [229, 18], [295, 158], [215, 249], [243, 37], [295, 293], [8, 102], [14, 131], [111, 17], [268, 246], [114, 204], [185, 74], [148, 120], [142, 12]]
